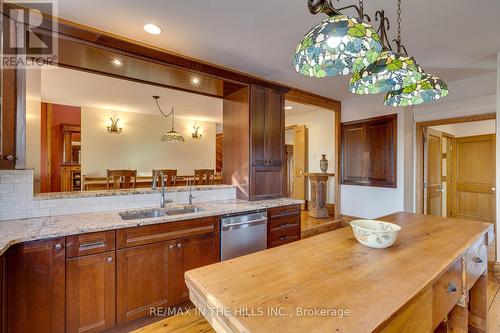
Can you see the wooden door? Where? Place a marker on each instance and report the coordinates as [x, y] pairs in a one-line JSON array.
[[353, 153], [433, 173], [190, 253], [473, 178], [36, 287], [90, 293], [299, 162], [142, 280]]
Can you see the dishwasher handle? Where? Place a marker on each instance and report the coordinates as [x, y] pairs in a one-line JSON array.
[[245, 223]]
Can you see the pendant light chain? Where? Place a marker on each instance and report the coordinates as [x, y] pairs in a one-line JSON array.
[[399, 26]]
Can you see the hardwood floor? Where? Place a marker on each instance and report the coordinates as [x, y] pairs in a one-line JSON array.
[[188, 322], [311, 226]]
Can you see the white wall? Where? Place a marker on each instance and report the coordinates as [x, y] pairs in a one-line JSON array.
[[320, 125], [139, 146], [373, 202], [468, 129]]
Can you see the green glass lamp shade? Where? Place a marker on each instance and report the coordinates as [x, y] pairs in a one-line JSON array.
[[391, 71], [428, 89], [172, 136], [339, 45]]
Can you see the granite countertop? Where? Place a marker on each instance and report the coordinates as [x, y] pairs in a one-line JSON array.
[[17, 231], [108, 193]]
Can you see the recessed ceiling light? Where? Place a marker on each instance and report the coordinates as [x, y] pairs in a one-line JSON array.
[[195, 80], [152, 29], [116, 62], [288, 107]]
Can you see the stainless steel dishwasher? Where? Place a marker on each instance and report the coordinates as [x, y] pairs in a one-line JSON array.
[[243, 234]]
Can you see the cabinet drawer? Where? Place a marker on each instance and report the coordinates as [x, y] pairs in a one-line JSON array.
[[85, 244], [278, 212], [283, 236], [447, 291], [167, 231], [284, 223], [476, 262]]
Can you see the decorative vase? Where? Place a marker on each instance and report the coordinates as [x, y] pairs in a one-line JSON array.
[[323, 163]]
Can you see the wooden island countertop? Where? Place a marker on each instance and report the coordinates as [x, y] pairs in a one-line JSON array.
[[331, 283]]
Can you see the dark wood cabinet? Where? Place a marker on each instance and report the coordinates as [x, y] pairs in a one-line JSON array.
[[283, 225], [369, 155], [267, 125], [190, 253], [143, 280], [90, 293], [151, 262], [36, 287], [254, 141]]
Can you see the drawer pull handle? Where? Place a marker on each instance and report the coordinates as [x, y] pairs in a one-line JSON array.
[[287, 213], [452, 288], [284, 238], [91, 245], [477, 260]]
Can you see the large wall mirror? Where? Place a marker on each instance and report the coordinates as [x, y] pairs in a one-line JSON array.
[[93, 124]]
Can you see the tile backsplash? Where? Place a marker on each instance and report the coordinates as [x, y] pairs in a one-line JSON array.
[[17, 202]]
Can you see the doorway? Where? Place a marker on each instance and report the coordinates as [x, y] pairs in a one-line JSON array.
[[458, 176]]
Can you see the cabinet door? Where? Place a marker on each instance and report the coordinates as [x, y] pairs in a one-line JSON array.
[[274, 128], [258, 106], [353, 150], [36, 287], [143, 276], [381, 152], [90, 293], [267, 183], [191, 253], [267, 126]]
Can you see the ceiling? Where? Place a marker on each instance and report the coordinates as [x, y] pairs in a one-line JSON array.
[[455, 39], [77, 88]]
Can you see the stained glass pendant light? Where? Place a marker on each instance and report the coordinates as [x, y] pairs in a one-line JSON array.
[[172, 135], [428, 89], [393, 70], [339, 45]]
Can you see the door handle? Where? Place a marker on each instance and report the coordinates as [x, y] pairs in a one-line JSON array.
[[9, 157], [493, 189]]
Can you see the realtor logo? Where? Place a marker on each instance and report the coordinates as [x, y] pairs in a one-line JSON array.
[[29, 33]]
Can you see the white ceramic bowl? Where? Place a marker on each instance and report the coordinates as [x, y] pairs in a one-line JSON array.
[[375, 234]]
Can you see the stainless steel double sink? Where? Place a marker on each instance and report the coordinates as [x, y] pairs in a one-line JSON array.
[[158, 212]]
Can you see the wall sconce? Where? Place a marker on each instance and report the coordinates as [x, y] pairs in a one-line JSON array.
[[196, 133], [114, 127]]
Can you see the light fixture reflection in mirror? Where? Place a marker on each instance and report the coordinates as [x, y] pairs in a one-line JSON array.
[[114, 126], [197, 132]]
